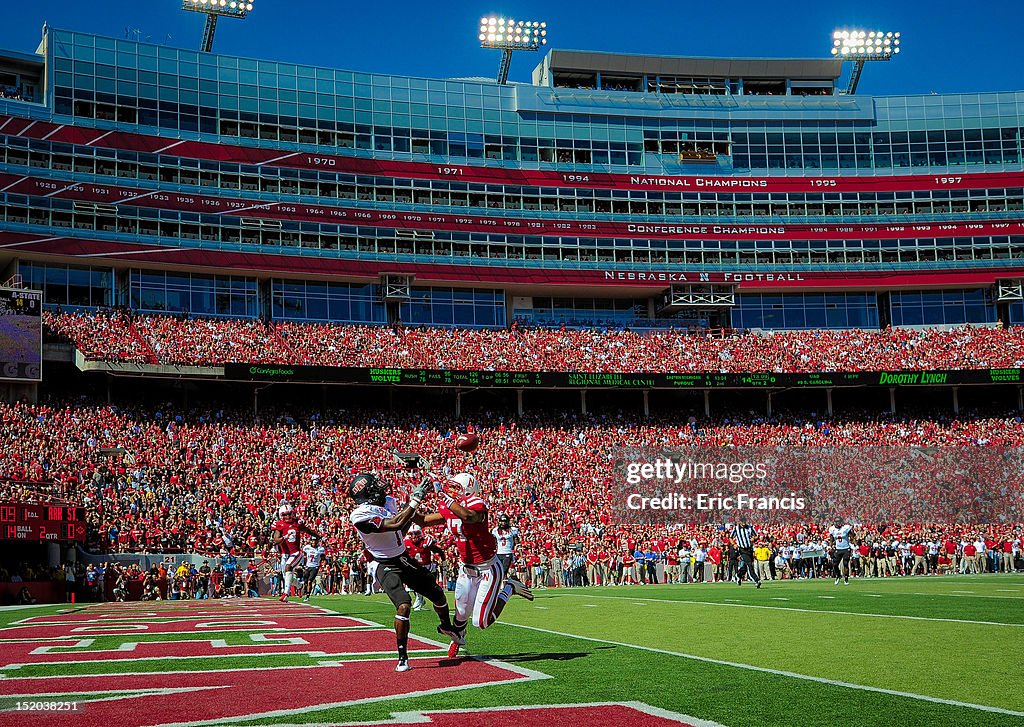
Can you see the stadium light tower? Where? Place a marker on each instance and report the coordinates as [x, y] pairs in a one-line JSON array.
[[508, 35], [213, 10], [861, 46]]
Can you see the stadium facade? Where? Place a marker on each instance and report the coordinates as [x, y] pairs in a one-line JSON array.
[[743, 193]]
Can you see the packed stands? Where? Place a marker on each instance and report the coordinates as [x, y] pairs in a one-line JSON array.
[[101, 336], [210, 341], [171, 340], [209, 481]]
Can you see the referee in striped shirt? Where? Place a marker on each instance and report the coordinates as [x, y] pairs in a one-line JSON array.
[[745, 536]]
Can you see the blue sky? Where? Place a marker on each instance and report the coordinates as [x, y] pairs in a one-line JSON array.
[[948, 46]]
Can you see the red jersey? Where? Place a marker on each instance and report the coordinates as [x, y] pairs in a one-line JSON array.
[[289, 544], [475, 541], [422, 552]]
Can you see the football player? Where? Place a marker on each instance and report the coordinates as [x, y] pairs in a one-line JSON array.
[[423, 551], [381, 527], [840, 532], [483, 588], [286, 534], [314, 555], [507, 537]]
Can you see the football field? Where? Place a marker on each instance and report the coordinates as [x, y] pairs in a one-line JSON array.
[[904, 651]]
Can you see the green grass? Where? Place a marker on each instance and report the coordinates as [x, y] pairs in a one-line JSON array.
[[820, 630]]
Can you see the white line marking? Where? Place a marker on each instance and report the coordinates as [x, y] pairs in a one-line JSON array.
[[147, 251], [258, 206], [132, 199], [341, 656], [778, 672], [873, 595], [423, 716], [52, 132], [530, 675], [63, 189], [1007, 590], [169, 146], [101, 136], [776, 598], [179, 633], [736, 604], [950, 594], [16, 181], [829, 597], [276, 159]]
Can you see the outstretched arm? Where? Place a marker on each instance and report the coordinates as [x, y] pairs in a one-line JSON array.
[[429, 520], [400, 521], [458, 510]]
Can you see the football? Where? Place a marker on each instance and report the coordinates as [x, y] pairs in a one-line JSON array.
[[467, 442]]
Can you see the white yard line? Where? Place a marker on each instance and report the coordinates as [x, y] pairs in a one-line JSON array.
[[778, 672], [733, 604]]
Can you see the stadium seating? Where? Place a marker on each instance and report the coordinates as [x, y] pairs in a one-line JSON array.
[[171, 340], [203, 481]]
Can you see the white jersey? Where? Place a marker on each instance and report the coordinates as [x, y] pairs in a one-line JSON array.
[[842, 536], [314, 554], [380, 545], [506, 540]]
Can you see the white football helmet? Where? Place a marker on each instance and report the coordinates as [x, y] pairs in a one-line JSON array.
[[467, 483], [285, 510]]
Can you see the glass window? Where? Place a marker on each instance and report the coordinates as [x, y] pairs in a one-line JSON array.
[[69, 286]]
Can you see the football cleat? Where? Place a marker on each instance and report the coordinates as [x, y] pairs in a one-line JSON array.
[[453, 650], [520, 589], [403, 665], [758, 584], [457, 637], [837, 581], [283, 598]]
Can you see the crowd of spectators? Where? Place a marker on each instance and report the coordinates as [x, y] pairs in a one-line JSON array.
[[162, 479], [211, 341], [195, 341], [105, 335], [599, 350], [12, 92]]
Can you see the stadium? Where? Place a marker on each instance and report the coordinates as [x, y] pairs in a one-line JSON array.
[[711, 370]]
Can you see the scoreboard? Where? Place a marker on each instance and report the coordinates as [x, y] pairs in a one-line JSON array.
[[568, 380], [40, 523], [21, 335]]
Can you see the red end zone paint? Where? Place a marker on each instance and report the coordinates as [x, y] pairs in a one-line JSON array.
[[96, 617], [189, 697], [327, 644], [630, 714], [179, 626]]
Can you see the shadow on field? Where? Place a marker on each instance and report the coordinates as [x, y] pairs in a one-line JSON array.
[[555, 656]]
